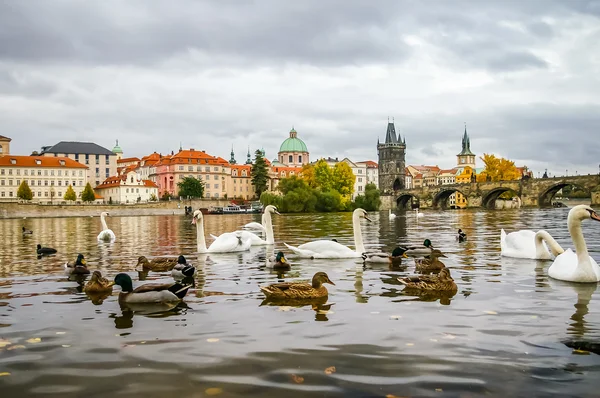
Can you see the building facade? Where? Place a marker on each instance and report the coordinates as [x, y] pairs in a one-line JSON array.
[[391, 160], [47, 177], [4, 145], [101, 162], [293, 151], [127, 188]]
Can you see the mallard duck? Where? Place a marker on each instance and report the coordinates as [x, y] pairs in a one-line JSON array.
[[98, 284], [150, 292], [424, 250], [379, 257], [431, 262], [27, 231], [45, 250], [78, 268], [278, 262], [182, 269], [441, 282], [461, 236], [291, 290], [156, 264]]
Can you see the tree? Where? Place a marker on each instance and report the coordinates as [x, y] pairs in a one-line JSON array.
[[329, 201], [70, 194], [308, 175], [323, 175], [498, 169], [260, 173], [370, 201], [343, 179], [52, 194], [153, 198], [24, 192], [291, 183], [191, 187], [88, 193]]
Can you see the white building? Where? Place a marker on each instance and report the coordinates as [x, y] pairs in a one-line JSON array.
[[47, 177], [127, 188]]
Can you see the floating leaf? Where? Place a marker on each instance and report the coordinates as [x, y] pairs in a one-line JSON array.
[[410, 344], [449, 336], [396, 317], [61, 332], [4, 343], [213, 391], [15, 347], [330, 370], [439, 390], [4, 374], [491, 312], [581, 352], [212, 340], [66, 345], [142, 342], [297, 379], [34, 340]]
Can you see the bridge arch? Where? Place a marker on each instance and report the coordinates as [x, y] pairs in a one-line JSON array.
[[440, 200], [545, 199], [489, 198], [407, 201]]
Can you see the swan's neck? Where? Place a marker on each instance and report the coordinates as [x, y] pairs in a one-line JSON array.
[[103, 221], [269, 228], [583, 257], [358, 240], [553, 245], [200, 236]]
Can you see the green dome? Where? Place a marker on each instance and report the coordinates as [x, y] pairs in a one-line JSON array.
[[293, 144], [117, 148]]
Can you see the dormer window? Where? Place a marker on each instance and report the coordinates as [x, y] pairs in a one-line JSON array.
[[62, 162], [38, 161], [13, 161]]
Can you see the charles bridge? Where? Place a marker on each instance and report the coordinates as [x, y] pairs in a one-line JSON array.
[[531, 191]]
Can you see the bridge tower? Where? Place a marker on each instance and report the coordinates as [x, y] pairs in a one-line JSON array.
[[392, 160], [466, 157]]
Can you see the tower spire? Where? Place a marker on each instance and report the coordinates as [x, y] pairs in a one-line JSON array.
[[232, 159]]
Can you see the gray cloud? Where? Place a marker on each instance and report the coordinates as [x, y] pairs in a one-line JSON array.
[[212, 74]]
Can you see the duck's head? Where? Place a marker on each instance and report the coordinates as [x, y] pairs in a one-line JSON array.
[[362, 213], [142, 260], [23, 229], [181, 260], [280, 258], [319, 278], [460, 231], [583, 212], [271, 209], [445, 274], [124, 281], [435, 253], [197, 216], [399, 252], [80, 260], [97, 276], [39, 246], [427, 243]]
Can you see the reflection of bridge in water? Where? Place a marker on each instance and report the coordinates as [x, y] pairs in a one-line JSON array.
[[531, 191]]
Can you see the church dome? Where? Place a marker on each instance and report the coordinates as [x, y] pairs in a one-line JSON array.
[[117, 148], [293, 144]]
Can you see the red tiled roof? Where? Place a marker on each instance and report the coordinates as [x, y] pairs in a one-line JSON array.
[[150, 184], [45, 161], [115, 181], [127, 160], [370, 164]]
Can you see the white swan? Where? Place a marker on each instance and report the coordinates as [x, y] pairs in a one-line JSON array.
[[576, 266], [226, 243], [331, 249], [419, 214], [391, 215], [106, 235], [528, 244], [267, 227]]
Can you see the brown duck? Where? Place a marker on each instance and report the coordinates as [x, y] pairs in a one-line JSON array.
[[295, 290], [431, 262], [98, 284], [441, 282], [156, 264]]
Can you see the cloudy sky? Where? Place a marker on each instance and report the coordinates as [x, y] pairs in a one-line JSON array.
[[524, 75]]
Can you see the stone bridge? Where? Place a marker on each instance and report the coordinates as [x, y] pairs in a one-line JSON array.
[[531, 191]]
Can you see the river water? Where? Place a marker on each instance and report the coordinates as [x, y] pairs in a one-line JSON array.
[[507, 332]]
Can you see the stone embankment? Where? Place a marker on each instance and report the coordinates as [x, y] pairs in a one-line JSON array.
[[21, 210]]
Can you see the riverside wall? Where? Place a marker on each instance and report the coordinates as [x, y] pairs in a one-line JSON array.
[[21, 210]]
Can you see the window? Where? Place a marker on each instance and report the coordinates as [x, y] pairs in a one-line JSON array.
[[216, 169], [40, 183], [59, 183], [10, 194], [39, 193], [45, 172], [127, 190], [10, 182], [359, 179], [216, 177], [46, 182], [26, 172], [87, 159], [207, 186], [180, 168], [107, 160], [60, 173], [207, 169], [2, 182], [190, 168], [107, 172], [9, 172], [2, 193], [97, 159], [217, 186], [291, 159], [299, 158]]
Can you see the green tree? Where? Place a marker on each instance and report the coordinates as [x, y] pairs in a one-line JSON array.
[[323, 175], [70, 194], [343, 179], [88, 193], [166, 196], [153, 198], [192, 187], [370, 201], [260, 173], [291, 183], [329, 201], [24, 192]]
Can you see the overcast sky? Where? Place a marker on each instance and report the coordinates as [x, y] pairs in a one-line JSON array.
[[524, 75]]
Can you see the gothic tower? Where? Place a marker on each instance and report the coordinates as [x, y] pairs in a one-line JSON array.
[[466, 157], [392, 157]]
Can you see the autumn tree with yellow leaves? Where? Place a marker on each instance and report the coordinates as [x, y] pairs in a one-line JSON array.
[[498, 169]]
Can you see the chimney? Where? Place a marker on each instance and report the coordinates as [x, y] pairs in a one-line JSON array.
[[191, 149]]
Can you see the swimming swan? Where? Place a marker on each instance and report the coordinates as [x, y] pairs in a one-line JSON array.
[[226, 243], [326, 248], [528, 244], [267, 226], [576, 266], [391, 215], [106, 235]]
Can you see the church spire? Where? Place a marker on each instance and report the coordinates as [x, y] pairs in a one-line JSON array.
[[390, 135], [232, 159], [248, 157], [466, 144]]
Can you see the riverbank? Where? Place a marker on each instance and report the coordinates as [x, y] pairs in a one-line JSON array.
[[26, 210]]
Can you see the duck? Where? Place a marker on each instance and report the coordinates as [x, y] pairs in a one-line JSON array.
[[431, 262], [576, 266], [380, 257], [529, 244], [107, 235], [325, 248], [298, 290], [441, 282], [78, 268], [425, 250], [461, 236], [27, 231], [156, 264], [150, 292], [226, 243], [391, 215], [182, 269], [98, 284], [45, 250], [278, 262]]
